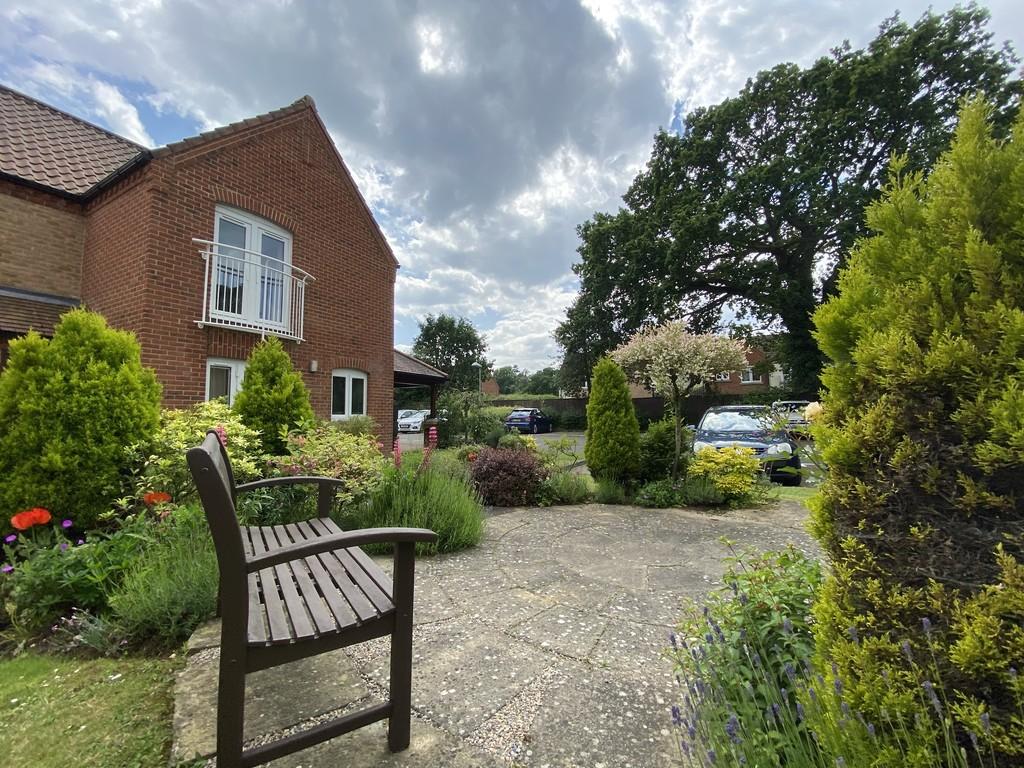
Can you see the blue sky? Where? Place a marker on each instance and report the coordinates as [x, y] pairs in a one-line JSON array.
[[481, 134]]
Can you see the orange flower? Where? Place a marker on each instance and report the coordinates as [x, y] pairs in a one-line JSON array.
[[35, 516], [156, 497]]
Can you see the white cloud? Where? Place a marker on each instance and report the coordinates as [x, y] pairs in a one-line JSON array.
[[439, 54], [118, 113]]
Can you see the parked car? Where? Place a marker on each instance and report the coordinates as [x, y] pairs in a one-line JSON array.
[[793, 412], [528, 420], [413, 422], [754, 427], [406, 413]]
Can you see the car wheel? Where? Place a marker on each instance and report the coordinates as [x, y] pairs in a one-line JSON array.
[[536, 429]]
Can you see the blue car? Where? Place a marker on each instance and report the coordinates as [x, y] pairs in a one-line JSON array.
[[530, 420]]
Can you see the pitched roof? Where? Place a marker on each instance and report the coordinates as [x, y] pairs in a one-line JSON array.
[[21, 311], [50, 148], [407, 364]]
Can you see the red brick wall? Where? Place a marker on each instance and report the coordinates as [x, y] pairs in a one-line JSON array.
[[284, 171], [736, 387], [41, 240]]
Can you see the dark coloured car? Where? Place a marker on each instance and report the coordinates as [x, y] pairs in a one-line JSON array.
[[530, 420], [793, 412], [755, 427]]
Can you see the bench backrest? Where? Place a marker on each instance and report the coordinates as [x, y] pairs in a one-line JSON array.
[[211, 471]]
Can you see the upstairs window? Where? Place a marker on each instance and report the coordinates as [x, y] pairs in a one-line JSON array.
[[348, 393], [252, 272], [748, 376]]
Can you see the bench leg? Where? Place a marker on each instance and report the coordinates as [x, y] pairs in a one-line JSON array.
[[230, 711], [401, 648]]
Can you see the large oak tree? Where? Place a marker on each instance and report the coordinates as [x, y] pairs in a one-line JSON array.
[[756, 202]]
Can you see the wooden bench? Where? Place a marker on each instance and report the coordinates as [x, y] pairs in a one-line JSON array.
[[292, 591]]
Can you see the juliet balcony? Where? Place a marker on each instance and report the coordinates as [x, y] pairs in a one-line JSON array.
[[252, 291]]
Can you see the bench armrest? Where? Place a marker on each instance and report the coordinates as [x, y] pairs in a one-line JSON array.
[[270, 482], [338, 541]]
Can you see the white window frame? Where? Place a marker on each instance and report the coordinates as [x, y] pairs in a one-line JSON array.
[[255, 227], [237, 368], [747, 376], [349, 374], [724, 376]]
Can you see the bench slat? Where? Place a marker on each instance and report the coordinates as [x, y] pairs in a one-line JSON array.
[[381, 601], [277, 616], [323, 617], [294, 605], [257, 628], [333, 592]]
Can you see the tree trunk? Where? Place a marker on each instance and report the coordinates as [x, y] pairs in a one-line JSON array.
[[802, 358], [677, 412]]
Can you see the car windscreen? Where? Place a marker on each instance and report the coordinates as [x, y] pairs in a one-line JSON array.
[[520, 414], [735, 421]]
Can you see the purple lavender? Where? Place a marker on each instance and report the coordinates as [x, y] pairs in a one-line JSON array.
[[11, 538], [6, 568], [732, 729], [926, 623], [986, 723], [677, 716], [854, 636], [905, 646], [932, 697], [799, 712], [787, 626], [66, 523], [712, 757]]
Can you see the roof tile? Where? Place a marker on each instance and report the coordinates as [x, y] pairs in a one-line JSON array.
[[41, 144]]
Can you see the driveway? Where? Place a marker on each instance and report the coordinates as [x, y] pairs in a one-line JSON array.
[[541, 647]]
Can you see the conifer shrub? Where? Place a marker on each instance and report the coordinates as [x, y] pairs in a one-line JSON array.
[[923, 431], [657, 449], [612, 448], [69, 409], [273, 398]]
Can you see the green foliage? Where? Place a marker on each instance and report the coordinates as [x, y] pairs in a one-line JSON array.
[[612, 447], [324, 450], [68, 409], [54, 573], [422, 497], [467, 419], [164, 467], [608, 491], [700, 491], [172, 588], [924, 437], [754, 697], [658, 448], [734, 472], [543, 382], [659, 494], [453, 345], [515, 441], [694, 216], [511, 379], [357, 425], [565, 488], [507, 478], [273, 398]]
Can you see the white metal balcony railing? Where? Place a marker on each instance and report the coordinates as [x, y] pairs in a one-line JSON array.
[[250, 291]]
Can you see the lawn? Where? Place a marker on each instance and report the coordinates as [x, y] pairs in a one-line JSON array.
[[57, 711], [800, 493]]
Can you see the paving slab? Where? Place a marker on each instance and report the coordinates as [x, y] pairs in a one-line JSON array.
[[541, 647]]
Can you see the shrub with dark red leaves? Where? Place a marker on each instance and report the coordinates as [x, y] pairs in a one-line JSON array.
[[507, 478]]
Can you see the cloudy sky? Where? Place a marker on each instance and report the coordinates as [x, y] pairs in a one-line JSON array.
[[481, 133]]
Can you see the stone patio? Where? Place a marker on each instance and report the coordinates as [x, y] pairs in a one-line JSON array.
[[541, 647]]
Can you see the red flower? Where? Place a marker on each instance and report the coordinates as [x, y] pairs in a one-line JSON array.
[[471, 457], [35, 516], [156, 497]]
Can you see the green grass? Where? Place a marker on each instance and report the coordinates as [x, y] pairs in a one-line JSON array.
[[799, 493], [57, 711]]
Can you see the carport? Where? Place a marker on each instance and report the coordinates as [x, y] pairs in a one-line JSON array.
[[412, 372]]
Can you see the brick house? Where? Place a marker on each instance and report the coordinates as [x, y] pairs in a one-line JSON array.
[[201, 247]]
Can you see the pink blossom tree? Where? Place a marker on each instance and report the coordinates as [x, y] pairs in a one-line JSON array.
[[672, 362]]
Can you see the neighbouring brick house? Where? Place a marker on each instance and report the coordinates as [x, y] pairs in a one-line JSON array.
[[286, 246]]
